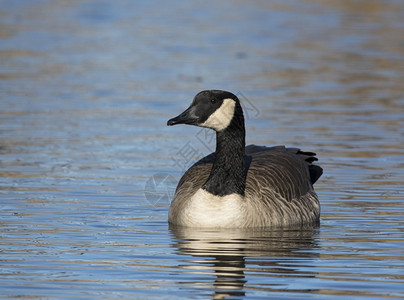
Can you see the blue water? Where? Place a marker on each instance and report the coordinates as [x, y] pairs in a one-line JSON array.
[[88, 165]]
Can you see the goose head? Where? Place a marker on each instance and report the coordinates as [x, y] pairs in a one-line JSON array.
[[213, 109]]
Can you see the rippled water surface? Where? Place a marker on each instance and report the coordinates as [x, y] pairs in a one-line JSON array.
[[88, 166]]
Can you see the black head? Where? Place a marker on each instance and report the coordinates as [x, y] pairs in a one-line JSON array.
[[213, 109]]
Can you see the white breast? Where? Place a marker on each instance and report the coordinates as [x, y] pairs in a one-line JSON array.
[[207, 210]]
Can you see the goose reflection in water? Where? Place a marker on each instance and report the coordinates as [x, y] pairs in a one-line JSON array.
[[236, 254]]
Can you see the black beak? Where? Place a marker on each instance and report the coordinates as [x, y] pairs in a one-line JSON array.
[[187, 117]]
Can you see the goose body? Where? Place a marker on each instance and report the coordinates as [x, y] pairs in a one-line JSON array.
[[239, 186]]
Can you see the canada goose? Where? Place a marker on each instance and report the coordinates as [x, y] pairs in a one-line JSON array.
[[238, 186]]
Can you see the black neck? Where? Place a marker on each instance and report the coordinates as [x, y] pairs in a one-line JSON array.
[[227, 175]]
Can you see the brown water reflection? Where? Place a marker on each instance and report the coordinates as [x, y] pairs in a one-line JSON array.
[[232, 254]]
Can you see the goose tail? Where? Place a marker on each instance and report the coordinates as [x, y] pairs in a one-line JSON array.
[[314, 170]]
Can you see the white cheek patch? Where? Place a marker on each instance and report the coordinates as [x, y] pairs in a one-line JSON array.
[[221, 118]]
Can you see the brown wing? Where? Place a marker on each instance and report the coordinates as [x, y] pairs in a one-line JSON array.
[[279, 171], [285, 170], [278, 189]]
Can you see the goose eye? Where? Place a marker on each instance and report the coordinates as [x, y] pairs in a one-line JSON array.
[[213, 101]]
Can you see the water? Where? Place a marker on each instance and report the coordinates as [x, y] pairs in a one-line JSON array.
[[88, 165]]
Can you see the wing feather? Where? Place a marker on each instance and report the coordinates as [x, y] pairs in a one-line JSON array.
[[278, 186]]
